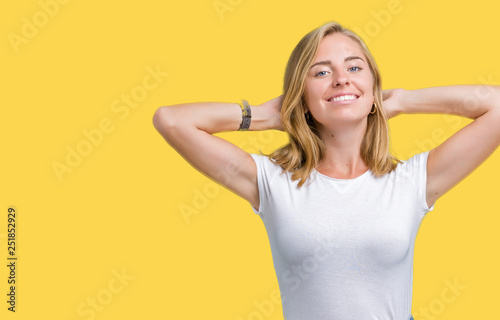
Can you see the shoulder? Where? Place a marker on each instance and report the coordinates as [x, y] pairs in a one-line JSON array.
[[414, 168], [262, 160], [265, 164], [414, 163]]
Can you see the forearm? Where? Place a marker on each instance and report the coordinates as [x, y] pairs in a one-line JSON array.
[[214, 117], [469, 101]]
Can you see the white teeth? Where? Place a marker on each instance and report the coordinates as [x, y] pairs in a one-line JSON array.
[[342, 98]]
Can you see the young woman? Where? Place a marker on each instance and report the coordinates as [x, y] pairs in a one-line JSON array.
[[340, 211]]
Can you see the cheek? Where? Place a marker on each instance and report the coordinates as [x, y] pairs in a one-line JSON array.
[[370, 84], [312, 92], [308, 94], [310, 99]]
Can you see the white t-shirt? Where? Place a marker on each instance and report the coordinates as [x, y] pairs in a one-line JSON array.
[[343, 248]]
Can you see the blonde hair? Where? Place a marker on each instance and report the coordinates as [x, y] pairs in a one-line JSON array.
[[306, 149]]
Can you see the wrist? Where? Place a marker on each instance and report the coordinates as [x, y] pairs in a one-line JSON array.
[[404, 101], [261, 119]]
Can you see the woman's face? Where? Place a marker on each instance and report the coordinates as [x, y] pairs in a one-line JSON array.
[[339, 85]]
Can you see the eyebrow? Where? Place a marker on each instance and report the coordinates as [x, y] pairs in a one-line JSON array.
[[329, 62]]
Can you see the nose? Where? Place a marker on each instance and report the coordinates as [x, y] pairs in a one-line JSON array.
[[340, 79]]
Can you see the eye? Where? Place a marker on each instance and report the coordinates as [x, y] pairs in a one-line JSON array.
[[358, 68], [321, 73]]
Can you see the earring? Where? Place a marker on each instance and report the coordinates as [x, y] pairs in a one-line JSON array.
[[374, 109], [308, 116]]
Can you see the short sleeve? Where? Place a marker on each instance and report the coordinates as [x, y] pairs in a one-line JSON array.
[[265, 173], [416, 167]]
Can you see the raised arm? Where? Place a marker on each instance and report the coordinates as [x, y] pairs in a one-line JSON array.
[[458, 156], [189, 129]]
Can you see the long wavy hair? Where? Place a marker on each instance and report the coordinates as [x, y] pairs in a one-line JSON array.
[[306, 149]]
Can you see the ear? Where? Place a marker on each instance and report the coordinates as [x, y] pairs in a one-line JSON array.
[[306, 109]]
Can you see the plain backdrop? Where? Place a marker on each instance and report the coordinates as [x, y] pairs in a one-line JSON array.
[[112, 223]]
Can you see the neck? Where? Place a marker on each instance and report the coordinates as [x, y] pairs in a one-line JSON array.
[[343, 144]]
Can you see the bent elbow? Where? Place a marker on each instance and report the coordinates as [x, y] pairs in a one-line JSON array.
[[163, 119]]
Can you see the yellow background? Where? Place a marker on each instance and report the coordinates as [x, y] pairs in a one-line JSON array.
[[119, 209]]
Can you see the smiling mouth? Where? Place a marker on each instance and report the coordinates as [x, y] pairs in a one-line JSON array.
[[346, 97]]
